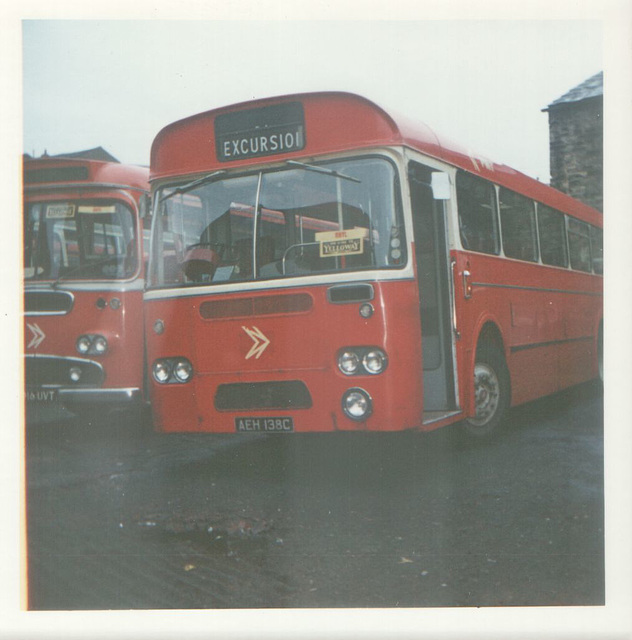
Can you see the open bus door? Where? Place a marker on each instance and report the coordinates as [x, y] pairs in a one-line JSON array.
[[435, 293]]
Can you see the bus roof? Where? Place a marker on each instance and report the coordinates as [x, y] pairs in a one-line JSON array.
[[334, 122], [55, 172]]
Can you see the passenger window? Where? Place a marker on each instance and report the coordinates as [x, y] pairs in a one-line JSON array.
[[579, 245], [517, 221], [552, 234], [596, 245], [478, 219]]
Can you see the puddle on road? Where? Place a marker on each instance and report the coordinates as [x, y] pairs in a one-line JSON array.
[[225, 535]]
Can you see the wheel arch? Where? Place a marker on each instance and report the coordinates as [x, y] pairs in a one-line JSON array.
[[487, 332]]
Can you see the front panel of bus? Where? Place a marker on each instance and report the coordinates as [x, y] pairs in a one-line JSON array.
[[282, 298], [82, 298]]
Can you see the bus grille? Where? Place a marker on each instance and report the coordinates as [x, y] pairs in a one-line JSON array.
[[256, 306], [289, 394], [47, 302], [54, 371]]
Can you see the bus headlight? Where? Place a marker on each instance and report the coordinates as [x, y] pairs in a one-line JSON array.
[[354, 361], [348, 362], [161, 371], [172, 370], [357, 404], [100, 345], [83, 344], [374, 361], [92, 344], [183, 370]]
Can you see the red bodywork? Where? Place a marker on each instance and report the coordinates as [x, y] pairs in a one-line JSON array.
[[303, 346], [557, 309], [53, 337]]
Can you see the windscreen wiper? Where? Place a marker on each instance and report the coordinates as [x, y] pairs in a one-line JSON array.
[[191, 185], [112, 257], [318, 169]]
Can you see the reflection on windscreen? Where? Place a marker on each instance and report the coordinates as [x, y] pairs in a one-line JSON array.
[[307, 223], [78, 241]]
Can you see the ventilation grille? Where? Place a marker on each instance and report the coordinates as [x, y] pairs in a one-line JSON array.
[[47, 302], [256, 306], [244, 396]]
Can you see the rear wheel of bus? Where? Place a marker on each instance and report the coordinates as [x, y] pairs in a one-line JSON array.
[[491, 392]]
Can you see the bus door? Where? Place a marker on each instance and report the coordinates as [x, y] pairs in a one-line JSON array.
[[435, 303]]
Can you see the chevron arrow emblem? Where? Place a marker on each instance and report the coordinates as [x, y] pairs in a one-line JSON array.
[[38, 336], [260, 342]]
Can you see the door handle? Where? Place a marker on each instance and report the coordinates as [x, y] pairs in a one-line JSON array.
[[467, 287], [455, 327]]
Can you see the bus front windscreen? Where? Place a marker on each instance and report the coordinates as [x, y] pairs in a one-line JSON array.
[[77, 240], [299, 220]]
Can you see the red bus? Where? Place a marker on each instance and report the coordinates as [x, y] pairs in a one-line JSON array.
[[319, 265], [83, 282]]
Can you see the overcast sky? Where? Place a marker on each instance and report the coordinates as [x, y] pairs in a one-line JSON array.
[[115, 84]]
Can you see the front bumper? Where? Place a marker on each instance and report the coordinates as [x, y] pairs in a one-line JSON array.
[[82, 397], [85, 397], [48, 381]]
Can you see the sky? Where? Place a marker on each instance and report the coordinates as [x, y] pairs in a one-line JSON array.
[[481, 83]]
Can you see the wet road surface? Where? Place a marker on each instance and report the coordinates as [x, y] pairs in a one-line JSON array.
[[118, 519]]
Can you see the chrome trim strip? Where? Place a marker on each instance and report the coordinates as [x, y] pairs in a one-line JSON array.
[[550, 343], [89, 396], [64, 186], [406, 273], [115, 286], [437, 416], [541, 289], [49, 356]]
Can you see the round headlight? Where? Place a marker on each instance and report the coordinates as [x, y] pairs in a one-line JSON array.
[[183, 370], [75, 374], [348, 362], [83, 344], [356, 403], [374, 361], [161, 371], [100, 345]]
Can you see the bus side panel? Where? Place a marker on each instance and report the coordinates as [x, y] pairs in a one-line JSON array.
[[546, 318], [522, 318], [578, 357]]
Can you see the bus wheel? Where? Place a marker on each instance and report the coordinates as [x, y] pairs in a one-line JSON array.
[[491, 392]]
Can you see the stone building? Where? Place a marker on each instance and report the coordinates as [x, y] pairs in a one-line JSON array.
[[576, 142]]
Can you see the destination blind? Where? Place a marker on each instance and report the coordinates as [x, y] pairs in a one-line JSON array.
[[260, 132]]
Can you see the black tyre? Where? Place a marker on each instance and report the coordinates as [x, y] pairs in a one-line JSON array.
[[491, 391]]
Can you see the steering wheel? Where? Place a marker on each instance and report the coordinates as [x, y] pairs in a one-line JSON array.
[[218, 247]]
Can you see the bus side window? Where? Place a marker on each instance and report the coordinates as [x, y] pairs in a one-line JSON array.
[[596, 245], [579, 245], [552, 233], [478, 219], [517, 221]]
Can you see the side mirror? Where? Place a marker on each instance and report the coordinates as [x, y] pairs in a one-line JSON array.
[[440, 183]]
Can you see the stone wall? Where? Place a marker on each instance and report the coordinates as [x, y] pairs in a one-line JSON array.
[[576, 149]]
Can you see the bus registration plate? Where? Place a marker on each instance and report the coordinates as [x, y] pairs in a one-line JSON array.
[[43, 396], [264, 425]]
